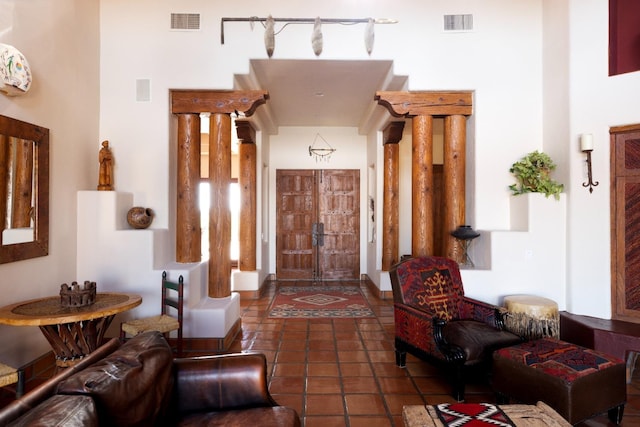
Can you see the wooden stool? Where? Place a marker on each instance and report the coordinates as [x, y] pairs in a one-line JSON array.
[[10, 375], [575, 381], [531, 316]]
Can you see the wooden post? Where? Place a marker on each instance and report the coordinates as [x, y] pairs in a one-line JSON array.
[[454, 183], [247, 181], [5, 164], [220, 103], [422, 106], [219, 211], [23, 184], [188, 231], [422, 186], [390, 209]]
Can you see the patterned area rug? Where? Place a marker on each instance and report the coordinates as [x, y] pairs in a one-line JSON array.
[[472, 415], [319, 302]]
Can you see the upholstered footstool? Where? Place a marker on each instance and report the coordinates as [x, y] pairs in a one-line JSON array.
[[576, 381]]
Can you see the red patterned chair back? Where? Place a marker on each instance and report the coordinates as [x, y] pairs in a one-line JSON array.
[[430, 283]]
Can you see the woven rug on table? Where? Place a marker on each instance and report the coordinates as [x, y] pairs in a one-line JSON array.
[[472, 415], [313, 302]]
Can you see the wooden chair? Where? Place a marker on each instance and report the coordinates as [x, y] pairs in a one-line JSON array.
[[10, 375], [166, 322]]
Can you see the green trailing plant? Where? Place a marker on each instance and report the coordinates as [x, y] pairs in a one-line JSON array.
[[532, 174]]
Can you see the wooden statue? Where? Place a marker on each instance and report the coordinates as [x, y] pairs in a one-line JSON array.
[[105, 180]]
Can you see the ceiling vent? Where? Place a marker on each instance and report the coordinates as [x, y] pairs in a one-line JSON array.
[[458, 22], [185, 21]]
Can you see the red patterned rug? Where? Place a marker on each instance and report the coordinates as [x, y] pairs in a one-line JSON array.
[[472, 415], [319, 302]]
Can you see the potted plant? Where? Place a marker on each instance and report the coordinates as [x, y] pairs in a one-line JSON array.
[[532, 174]]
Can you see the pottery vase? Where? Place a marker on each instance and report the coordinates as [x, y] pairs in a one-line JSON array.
[[139, 217]]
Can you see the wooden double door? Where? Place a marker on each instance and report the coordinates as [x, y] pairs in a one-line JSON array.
[[318, 224]]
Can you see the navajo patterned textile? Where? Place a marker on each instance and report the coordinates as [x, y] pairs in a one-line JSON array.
[[472, 415], [435, 321], [559, 358]]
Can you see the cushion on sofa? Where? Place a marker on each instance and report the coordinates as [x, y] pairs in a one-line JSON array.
[[63, 411], [130, 386]]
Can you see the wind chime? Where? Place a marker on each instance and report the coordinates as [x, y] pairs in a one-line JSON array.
[[322, 150]]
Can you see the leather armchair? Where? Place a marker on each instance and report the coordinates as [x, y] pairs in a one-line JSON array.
[[435, 321]]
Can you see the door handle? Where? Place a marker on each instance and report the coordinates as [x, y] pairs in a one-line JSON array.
[[317, 234]]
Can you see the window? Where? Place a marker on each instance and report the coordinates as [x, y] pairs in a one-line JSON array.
[[234, 201]]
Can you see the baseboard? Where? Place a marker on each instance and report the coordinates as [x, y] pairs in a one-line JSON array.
[[384, 295]]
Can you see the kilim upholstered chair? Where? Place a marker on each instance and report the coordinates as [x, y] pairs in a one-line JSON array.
[[169, 319], [435, 321]]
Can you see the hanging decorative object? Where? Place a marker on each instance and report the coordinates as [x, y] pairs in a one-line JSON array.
[[15, 74], [270, 36], [369, 36], [322, 151], [316, 37]]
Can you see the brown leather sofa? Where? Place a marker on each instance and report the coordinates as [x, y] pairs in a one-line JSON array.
[[139, 383]]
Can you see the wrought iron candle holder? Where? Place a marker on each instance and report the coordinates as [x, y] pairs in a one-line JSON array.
[[586, 145], [465, 234]]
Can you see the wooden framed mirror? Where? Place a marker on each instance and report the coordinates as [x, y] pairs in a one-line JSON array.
[[24, 190]]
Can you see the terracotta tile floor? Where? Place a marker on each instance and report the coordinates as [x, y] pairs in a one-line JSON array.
[[342, 372]]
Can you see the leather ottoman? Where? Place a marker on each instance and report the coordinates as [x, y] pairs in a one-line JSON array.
[[577, 382]]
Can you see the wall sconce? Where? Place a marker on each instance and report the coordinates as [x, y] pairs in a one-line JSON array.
[[586, 146]]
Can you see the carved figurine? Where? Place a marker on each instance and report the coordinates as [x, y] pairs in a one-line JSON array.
[[105, 180]]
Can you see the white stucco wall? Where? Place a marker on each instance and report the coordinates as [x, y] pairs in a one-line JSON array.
[[538, 69], [60, 41]]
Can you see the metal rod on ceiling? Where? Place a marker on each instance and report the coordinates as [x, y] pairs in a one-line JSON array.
[[304, 21]]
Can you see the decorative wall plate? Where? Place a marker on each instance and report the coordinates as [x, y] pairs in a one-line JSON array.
[[15, 74]]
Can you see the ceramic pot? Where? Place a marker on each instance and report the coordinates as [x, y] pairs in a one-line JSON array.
[[139, 217]]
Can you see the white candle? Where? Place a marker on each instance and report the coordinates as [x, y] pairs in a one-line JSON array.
[[586, 142]]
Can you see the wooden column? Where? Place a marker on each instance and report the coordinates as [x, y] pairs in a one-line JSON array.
[[390, 209], [247, 180], [5, 165], [220, 104], [23, 184], [188, 231], [220, 210], [422, 233], [422, 106], [454, 183]]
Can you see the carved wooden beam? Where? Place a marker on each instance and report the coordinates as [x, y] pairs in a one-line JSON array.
[[245, 131], [402, 104], [217, 101], [392, 134]]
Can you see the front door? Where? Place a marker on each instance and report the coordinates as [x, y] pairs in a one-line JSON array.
[[318, 224]]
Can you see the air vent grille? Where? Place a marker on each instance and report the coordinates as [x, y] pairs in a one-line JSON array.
[[185, 21], [458, 22]]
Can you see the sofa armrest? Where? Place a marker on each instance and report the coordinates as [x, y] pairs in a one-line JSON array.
[[216, 383], [484, 312], [47, 389]]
